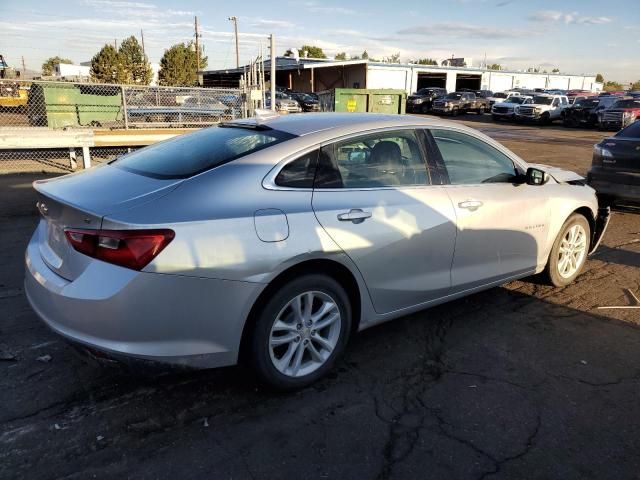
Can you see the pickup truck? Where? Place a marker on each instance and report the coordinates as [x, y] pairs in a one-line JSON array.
[[501, 97], [422, 100], [585, 111], [460, 102], [621, 114], [543, 109], [507, 108]]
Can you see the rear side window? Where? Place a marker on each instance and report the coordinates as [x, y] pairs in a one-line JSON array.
[[299, 173], [188, 155], [632, 131]]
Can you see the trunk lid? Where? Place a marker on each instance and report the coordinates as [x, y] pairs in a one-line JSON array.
[[82, 200], [626, 154]]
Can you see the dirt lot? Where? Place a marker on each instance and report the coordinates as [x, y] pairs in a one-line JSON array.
[[521, 381]]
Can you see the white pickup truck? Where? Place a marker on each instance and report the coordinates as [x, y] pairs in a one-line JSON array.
[[543, 109], [501, 97]]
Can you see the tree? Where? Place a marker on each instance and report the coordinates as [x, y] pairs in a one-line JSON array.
[[555, 70], [612, 86], [494, 66], [365, 55], [178, 65], [341, 56], [136, 68], [394, 58], [48, 67], [635, 85], [599, 78], [106, 66], [426, 61], [312, 51]]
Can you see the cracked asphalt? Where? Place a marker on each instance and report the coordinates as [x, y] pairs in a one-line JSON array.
[[520, 381]]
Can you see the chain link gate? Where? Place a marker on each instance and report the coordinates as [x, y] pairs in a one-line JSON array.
[[61, 126]]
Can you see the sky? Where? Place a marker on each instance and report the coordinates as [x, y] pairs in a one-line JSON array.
[[576, 36]]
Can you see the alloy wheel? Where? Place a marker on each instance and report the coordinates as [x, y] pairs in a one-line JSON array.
[[573, 249], [304, 333]]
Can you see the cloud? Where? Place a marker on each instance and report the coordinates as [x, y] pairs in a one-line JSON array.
[[272, 24], [554, 16], [464, 30], [316, 7]]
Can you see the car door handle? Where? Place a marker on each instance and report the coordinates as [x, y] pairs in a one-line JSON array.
[[354, 215], [472, 205]]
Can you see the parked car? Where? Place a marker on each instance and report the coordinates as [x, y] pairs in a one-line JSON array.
[[620, 114], [501, 97], [307, 102], [422, 100], [573, 95], [585, 112], [274, 239], [506, 110], [284, 103], [615, 168], [191, 110], [543, 109], [460, 102]]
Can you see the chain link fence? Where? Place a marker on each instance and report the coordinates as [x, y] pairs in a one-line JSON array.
[[62, 126]]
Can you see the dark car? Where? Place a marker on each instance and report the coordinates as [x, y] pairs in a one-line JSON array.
[[615, 168], [422, 100], [585, 111], [306, 101]]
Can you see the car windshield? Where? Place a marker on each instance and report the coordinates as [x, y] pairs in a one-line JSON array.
[[500, 95], [632, 131], [425, 91], [627, 104], [188, 155], [540, 100], [454, 96], [306, 98], [518, 100]]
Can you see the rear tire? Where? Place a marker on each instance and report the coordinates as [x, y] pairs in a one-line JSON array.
[[569, 252], [294, 343]]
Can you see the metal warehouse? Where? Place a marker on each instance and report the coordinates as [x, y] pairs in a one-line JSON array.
[[314, 75]]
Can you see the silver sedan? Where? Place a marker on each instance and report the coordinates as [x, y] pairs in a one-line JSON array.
[[275, 239]]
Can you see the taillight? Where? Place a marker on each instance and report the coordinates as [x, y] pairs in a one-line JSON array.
[[128, 248]]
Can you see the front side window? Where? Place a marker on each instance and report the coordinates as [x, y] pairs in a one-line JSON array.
[[385, 159], [470, 161]]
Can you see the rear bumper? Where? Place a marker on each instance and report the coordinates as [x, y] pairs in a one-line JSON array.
[[624, 186], [160, 318]]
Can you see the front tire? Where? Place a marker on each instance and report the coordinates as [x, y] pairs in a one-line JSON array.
[[480, 110], [569, 252], [300, 332]]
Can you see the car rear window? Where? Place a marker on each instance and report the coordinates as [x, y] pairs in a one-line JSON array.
[[632, 131], [188, 155]]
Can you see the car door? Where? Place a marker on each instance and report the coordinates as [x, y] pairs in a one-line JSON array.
[[502, 224], [372, 195]]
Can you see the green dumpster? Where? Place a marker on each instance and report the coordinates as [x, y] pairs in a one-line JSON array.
[[363, 100], [59, 105]]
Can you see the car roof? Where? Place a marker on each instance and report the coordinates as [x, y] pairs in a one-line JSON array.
[[341, 123]]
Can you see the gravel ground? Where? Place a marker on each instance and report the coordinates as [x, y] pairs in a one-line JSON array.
[[520, 381]]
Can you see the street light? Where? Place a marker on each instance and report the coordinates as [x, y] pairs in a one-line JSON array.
[[235, 29]]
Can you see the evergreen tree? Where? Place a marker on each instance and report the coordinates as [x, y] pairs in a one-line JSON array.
[[106, 66], [136, 68], [178, 65]]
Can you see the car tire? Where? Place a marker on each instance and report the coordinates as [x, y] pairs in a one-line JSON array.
[[569, 252], [480, 110], [424, 109], [495, 118], [278, 366], [455, 112]]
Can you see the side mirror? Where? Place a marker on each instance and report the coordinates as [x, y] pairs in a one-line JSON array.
[[536, 176]]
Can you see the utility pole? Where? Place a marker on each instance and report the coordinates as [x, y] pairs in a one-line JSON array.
[[142, 38], [115, 43], [197, 46], [24, 68], [273, 56], [235, 29]]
